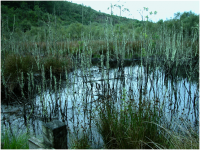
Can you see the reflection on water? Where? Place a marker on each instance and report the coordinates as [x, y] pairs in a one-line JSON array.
[[74, 101]]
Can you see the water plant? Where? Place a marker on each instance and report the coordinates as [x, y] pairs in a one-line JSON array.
[[179, 136], [13, 65], [14, 140], [81, 142], [130, 128]]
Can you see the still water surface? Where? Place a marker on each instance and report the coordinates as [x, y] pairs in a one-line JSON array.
[[75, 100]]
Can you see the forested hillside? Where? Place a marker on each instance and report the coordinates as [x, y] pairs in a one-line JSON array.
[[34, 13], [66, 11], [74, 19]]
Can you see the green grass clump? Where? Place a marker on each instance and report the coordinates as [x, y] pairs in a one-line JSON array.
[[16, 141], [134, 126], [130, 127], [80, 143]]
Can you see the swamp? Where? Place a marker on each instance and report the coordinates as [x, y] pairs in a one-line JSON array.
[[114, 86]]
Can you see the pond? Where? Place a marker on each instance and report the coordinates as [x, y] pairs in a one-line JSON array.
[[75, 100]]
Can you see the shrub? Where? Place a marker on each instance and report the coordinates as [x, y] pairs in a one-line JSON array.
[[25, 25]]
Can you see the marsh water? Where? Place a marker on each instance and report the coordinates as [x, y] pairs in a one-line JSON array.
[[75, 98]]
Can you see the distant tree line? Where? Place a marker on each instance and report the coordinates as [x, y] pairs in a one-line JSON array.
[[72, 18]]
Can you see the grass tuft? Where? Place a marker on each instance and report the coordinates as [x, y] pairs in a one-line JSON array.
[[129, 128], [81, 143], [16, 141]]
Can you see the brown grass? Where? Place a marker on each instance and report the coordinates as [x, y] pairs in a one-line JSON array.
[[14, 65], [97, 46]]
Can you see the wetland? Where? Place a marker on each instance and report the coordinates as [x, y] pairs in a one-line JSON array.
[[117, 89]]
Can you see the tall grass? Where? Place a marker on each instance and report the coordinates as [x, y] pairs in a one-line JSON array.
[[142, 127], [81, 141], [130, 127], [58, 64], [13, 66], [179, 136], [14, 140]]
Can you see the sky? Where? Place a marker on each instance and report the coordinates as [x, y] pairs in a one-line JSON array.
[[165, 9]]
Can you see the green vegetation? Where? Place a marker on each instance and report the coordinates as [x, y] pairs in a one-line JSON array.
[[17, 66], [81, 142], [42, 41], [14, 140], [138, 126], [186, 138], [29, 16], [56, 64], [141, 127], [132, 127]]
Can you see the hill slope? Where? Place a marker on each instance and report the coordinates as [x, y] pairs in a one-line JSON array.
[[74, 19], [34, 12]]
